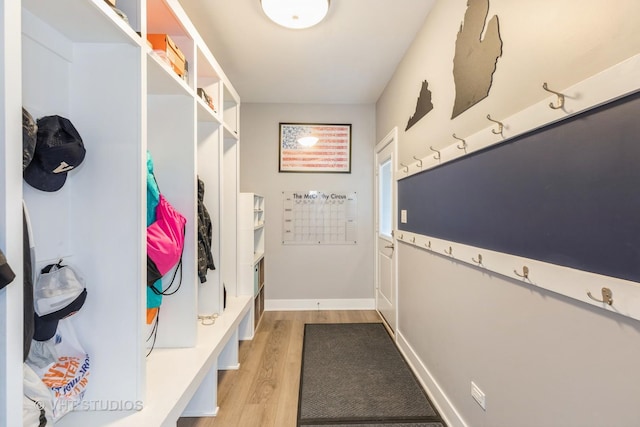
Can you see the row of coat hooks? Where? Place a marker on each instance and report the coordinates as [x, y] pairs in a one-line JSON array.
[[476, 260], [496, 131], [607, 294]]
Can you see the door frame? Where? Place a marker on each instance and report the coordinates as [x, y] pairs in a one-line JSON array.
[[390, 138]]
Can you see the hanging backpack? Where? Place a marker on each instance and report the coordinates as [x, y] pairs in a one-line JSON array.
[[154, 300], [165, 242], [165, 234]]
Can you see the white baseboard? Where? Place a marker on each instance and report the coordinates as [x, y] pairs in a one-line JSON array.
[[440, 400], [196, 414], [319, 304], [235, 367]]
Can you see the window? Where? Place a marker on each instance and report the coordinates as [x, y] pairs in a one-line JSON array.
[[384, 196]]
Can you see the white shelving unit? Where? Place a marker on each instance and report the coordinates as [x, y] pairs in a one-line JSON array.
[[251, 237], [80, 60]]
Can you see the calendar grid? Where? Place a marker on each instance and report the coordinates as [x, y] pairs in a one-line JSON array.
[[319, 217]]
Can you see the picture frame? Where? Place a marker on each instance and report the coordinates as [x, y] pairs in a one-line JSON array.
[[331, 152]]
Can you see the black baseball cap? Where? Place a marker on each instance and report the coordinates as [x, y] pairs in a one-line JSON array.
[[58, 150]]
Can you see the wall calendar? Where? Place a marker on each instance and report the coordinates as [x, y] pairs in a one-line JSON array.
[[319, 217]]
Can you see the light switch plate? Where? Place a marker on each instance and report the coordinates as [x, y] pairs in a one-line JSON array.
[[403, 216]]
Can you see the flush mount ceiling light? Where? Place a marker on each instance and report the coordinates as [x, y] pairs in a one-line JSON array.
[[296, 14]]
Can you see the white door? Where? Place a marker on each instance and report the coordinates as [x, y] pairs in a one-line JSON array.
[[386, 293]]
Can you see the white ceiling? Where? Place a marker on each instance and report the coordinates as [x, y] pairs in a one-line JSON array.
[[346, 59]]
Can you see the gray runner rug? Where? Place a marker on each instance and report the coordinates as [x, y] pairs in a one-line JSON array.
[[354, 376]]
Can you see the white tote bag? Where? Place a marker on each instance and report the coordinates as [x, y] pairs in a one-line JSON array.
[[63, 366]]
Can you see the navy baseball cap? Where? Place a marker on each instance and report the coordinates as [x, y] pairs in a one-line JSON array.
[[58, 150], [58, 293], [45, 327]]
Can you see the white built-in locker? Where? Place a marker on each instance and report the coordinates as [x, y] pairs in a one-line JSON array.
[[79, 59]]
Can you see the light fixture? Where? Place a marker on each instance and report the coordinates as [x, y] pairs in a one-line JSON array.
[[296, 14], [307, 141]]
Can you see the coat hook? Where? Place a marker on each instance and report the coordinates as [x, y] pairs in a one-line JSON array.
[[413, 239], [607, 296], [500, 125], [419, 160], [428, 245], [525, 272], [558, 94], [449, 252], [437, 155], [406, 168], [479, 260], [402, 237], [464, 143]]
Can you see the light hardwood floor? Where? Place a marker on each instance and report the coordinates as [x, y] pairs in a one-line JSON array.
[[264, 391]]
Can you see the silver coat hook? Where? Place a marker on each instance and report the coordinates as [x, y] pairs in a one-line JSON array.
[[558, 94], [525, 272], [406, 168], [419, 160], [607, 296], [437, 155], [464, 143], [449, 251], [479, 260], [500, 125]]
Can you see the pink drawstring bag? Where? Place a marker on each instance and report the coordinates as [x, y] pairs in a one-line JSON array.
[[165, 241]]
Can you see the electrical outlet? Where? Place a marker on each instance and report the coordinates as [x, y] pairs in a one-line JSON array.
[[478, 396], [403, 216]]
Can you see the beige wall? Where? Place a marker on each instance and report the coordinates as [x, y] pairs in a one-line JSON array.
[[298, 276], [561, 42], [542, 359]]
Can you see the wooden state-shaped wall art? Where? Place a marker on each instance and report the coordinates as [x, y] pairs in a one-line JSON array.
[[423, 105], [476, 57]]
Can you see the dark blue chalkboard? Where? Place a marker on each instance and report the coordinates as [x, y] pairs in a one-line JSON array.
[[567, 194]]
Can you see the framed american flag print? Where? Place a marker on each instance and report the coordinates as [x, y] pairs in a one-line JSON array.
[[315, 147]]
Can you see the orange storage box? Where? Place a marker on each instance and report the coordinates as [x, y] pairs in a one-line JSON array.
[[164, 43]]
